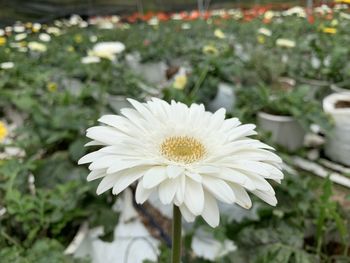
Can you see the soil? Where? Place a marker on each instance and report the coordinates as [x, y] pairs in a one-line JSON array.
[[340, 104]]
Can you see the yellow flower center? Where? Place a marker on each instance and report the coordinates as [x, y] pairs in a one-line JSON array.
[[182, 149], [3, 131]]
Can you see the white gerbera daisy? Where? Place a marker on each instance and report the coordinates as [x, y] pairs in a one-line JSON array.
[[190, 156]]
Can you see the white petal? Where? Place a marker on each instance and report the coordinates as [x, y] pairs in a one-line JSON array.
[[267, 197], [242, 197], [194, 197], [142, 194], [174, 171], [154, 176], [186, 213], [242, 131], [232, 175], [167, 190], [93, 175], [180, 193], [104, 162], [107, 183], [219, 189], [90, 157], [126, 178], [210, 211]]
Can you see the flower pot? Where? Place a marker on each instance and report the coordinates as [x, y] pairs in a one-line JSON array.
[[337, 146], [225, 98], [285, 130], [341, 87], [317, 87], [152, 72]]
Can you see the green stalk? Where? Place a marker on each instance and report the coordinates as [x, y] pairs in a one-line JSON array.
[[176, 248]]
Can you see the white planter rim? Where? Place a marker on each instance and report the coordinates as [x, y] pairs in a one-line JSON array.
[[330, 101], [277, 118]]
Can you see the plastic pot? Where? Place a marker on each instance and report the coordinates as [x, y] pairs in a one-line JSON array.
[[337, 146], [285, 130]]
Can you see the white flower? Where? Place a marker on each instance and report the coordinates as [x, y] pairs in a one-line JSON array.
[[296, 10], [185, 26], [20, 37], [19, 28], [2, 32], [36, 27], [7, 65], [153, 21], [44, 37], [53, 30], [93, 38], [36, 46], [264, 31], [107, 50], [190, 156], [283, 42], [90, 60]]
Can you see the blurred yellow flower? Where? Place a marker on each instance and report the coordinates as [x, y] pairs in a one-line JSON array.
[[329, 30], [78, 39], [70, 49], [343, 1], [261, 39], [210, 50], [180, 82], [3, 131], [52, 86], [2, 41], [219, 34]]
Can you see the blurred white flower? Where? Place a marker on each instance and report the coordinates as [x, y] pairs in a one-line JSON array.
[[107, 50], [283, 42], [53, 30], [219, 34], [2, 32], [75, 20], [19, 28], [20, 37], [296, 10], [153, 21], [93, 38], [90, 60], [189, 156], [186, 26], [36, 27], [36, 46], [44, 37], [7, 65], [264, 31]]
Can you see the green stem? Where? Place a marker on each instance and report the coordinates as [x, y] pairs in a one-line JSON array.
[[176, 249]]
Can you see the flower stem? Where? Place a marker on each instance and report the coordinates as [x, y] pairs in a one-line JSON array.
[[176, 248]]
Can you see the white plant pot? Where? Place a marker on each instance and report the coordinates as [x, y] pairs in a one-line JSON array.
[[339, 88], [337, 146], [285, 130], [152, 72], [225, 98]]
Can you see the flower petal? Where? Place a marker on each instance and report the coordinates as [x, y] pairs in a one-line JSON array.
[[210, 211], [219, 189], [154, 176], [194, 197]]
